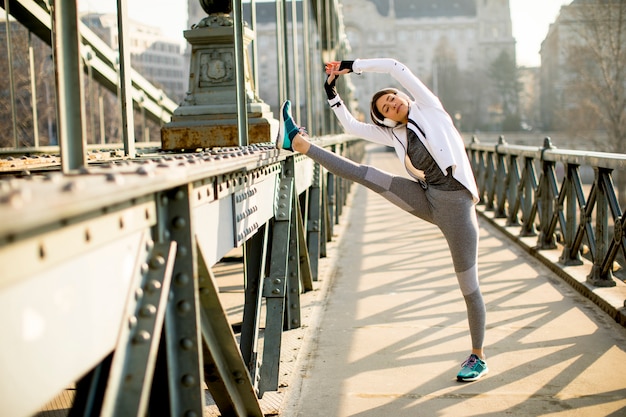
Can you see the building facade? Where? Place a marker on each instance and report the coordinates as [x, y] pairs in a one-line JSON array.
[[157, 58], [435, 38]]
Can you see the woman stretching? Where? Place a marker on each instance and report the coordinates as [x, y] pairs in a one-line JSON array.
[[442, 190]]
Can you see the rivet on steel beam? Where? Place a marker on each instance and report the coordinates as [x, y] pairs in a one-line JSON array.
[[115, 178], [152, 286], [132, 322], [188, 380], [73, 186], [179, 195], [186, 343], [276, 291], [148, 310], [157, 262], [182, 251], [138, 293], [277, 281], [179, 222], [182, 279], [183, 307], [144, 268], [141, 337]]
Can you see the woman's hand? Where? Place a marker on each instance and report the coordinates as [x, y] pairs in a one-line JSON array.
[[334, 68]]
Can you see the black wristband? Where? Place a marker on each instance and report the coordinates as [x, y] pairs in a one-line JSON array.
[[331, 90], [346, 65]]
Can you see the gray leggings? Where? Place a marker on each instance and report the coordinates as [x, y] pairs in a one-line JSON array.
[[452, 211]]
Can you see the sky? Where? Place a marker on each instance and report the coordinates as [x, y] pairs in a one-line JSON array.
[[531, 20]]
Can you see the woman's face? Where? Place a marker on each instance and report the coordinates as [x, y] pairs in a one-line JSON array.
[[394, 107]]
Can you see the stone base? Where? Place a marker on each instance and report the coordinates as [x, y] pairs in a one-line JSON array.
[[216, 132]]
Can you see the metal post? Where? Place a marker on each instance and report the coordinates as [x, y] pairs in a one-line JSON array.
[[242, 112], [70, 93], [101, 115], [33, 87], [285, 47], [296, 60], [255, 52], [11, 77], [280, 55], [128, 126], [307, 67], [89, 55]]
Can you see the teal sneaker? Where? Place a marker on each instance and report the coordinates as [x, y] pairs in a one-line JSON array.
[[287, 128], [472, 369]]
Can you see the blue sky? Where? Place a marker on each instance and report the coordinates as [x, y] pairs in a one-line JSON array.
[[531, 20]]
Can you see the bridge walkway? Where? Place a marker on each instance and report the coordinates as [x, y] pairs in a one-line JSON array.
[[385, 330]]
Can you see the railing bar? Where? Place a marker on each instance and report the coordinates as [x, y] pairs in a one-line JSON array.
[[308, 89], [609, 188], [255, 54], [296, 58], [242, 112], [70, 106], [33, 89], [588, 226], [125, 82], [281, 72], [7, 13]]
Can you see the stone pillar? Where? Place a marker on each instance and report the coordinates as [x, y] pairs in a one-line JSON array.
[[208, 115]]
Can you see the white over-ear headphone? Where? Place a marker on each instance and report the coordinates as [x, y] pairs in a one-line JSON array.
[[387, 122]]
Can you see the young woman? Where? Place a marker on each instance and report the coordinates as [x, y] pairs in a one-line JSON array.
[[442, 190]]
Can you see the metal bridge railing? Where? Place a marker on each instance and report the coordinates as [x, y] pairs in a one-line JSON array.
[[542, 190], [106, 277], [106, 254]]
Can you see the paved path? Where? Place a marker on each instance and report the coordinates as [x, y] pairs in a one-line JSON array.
[[386, 330]]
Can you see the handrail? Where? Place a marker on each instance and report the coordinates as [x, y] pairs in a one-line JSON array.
[[103, 270], [521, 184]]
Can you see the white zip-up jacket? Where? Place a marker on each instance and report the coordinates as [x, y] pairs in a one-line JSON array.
[[442, 139]]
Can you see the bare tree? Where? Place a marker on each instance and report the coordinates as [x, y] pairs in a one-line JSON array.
[[505, 81], [452, 86], [596, 60]]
